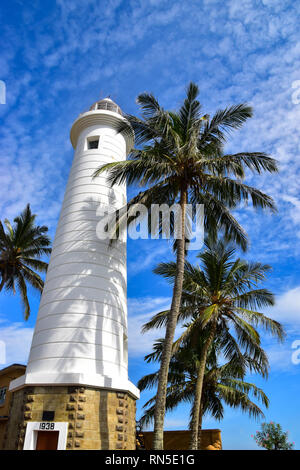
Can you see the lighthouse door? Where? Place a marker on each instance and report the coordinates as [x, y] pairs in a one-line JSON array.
[[47, 440]]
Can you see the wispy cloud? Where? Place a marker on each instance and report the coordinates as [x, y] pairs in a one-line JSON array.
[[140, 310], [17, 340], [287, 308], [145, 255]]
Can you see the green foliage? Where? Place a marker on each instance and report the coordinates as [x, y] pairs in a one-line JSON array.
[[21, 247], [272, 437], [220, 297], [223, 383], [184, 151], [226, 289]]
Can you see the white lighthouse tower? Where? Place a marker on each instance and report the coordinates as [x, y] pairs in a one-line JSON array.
[[78, 368]]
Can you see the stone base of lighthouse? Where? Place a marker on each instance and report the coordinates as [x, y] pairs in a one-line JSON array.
[[82, 418]]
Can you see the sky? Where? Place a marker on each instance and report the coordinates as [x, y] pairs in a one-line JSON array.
[[58, 57]]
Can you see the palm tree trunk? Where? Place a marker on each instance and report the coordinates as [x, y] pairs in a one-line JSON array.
[[200, 426], [160, 401], [198, 390]]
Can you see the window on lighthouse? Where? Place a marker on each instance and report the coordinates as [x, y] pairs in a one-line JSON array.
[[93, 143]]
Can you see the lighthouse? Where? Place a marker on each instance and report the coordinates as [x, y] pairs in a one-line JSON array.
[[75, 393]]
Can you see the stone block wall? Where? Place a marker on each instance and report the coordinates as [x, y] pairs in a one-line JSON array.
[[98, 419]]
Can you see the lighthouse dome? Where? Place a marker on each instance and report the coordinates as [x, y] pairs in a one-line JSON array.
[[106, 104]]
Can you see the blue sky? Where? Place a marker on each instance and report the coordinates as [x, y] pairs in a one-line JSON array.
[[59, 57]]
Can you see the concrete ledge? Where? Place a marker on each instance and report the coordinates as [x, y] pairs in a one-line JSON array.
[[75, 379]]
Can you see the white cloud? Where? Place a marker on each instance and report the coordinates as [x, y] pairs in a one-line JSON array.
[[287, 308], [145, 255], [139, 312], [280, 357], [17, 340], [287, 312]]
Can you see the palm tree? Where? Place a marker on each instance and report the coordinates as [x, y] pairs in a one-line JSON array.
[[218, 296], [182, 161], [21, 247], [221, 383]]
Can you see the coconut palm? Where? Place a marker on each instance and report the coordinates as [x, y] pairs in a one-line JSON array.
[[221, 383], [220, 295], [182, 161], [21, 247]]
